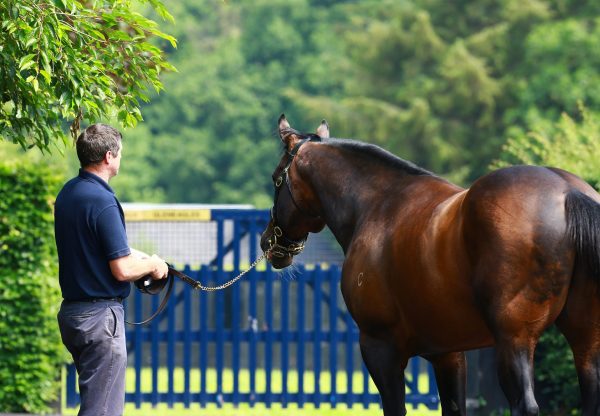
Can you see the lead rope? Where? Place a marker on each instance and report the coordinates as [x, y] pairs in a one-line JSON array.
[[196, 285]]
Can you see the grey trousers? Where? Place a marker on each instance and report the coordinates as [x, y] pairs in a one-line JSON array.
[[94, 334]]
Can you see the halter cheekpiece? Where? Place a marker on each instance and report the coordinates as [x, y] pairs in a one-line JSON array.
[[279, 244]]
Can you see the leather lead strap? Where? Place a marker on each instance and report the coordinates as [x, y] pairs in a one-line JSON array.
[[162, 305], [195, 284], [187, 279]]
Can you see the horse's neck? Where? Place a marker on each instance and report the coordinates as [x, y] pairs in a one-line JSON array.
[[347, 191]]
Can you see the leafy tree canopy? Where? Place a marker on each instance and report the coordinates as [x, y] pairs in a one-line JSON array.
[[444, 84], [71, 60]]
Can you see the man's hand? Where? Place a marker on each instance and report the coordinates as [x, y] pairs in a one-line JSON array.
[[132, 267], [161, 270]]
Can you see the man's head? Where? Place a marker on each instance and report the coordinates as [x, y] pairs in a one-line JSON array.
[[99, 148]]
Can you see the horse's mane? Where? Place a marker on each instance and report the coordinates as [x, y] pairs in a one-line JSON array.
[[363, 150], [367, 150]]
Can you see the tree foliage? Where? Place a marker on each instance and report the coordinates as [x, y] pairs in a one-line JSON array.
[[572, 143], [444, 84], [72, 60], [213, 128], [452, 80]]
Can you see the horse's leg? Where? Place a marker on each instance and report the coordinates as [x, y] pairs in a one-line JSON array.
[[451, 375], [516, 337], [386, 368], [580, 323], [524, 295], [514, 354]]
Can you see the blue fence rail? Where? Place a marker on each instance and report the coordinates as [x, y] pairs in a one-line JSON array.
[[270, 338]]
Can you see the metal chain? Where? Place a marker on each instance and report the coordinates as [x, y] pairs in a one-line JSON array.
[[235, 279]]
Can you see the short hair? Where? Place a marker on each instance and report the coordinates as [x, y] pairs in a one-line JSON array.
[[95, 141]]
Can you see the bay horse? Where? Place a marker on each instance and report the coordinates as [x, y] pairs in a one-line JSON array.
[[432, 269]]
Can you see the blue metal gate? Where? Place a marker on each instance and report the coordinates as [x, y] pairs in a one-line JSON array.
[[270, 338]]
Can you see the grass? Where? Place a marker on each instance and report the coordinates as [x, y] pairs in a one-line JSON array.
[[244, 383]]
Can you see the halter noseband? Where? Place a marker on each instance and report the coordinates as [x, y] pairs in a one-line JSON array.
[[280, 245]]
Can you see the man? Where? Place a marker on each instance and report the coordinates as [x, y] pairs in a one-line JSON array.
[[95, 268]]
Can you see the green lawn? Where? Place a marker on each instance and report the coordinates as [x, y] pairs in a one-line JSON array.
[[244, 382]]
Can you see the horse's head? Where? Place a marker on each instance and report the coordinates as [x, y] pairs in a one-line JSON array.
[[294, 213]]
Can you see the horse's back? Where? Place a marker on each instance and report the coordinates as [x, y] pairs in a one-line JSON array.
[[515, 207], [522, 205], [518, 201]]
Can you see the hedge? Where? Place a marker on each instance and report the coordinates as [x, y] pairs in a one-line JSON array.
[[31, 352]]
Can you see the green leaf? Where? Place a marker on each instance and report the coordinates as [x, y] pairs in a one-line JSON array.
[[161, 10], [98, 34], [27, 61], [30, 42], [170, 38]]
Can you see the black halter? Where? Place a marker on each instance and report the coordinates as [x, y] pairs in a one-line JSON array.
[[280, 245]]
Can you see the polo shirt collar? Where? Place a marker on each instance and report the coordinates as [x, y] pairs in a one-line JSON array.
[[84, 174]]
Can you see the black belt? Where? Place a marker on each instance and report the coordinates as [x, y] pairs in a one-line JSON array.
[[95, 300]]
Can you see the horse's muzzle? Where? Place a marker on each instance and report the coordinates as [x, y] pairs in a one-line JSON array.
[[280, 250]]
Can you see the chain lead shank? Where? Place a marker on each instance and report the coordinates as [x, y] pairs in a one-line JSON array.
[[198, 286]]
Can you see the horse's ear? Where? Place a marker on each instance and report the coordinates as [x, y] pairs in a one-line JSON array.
[[283, 125], [323, 130], [287, 135]]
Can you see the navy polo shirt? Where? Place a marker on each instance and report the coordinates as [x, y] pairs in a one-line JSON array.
[[89, 227]]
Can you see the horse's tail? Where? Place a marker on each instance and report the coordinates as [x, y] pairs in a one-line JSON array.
[[583, 227]]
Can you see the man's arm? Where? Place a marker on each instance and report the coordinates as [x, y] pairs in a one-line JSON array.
[[139, 254], [126, 264], [133, 267]]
